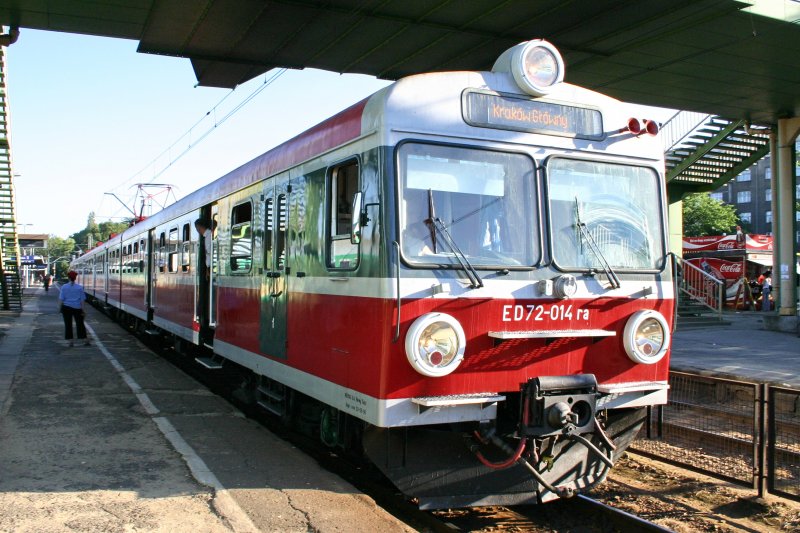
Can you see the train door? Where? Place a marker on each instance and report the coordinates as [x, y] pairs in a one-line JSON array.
[[214, 274], [207, 275], [274, 283], [90, 282], [106, 269], [152, 272]]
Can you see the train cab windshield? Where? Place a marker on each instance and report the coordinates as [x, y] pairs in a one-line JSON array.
[[617, 206], [483, 202]]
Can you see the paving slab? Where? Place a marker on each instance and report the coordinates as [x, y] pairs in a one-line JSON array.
[[80, 451], [742, 350]]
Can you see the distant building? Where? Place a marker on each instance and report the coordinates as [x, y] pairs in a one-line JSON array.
[[751, 193]]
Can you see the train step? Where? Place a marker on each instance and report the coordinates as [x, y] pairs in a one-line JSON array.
[[212, 363], [272, 408], [152, 331], [271, 394]]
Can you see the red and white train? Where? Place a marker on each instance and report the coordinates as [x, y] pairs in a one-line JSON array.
[[465, 274]]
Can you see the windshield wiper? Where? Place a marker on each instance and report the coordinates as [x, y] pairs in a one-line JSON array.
[[610, 274], [435, 224]]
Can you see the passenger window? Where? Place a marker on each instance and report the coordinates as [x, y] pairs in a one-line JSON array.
[[241, 238], [162, 252], [142, 255], [186, 248], [342, 187], [173, 250]]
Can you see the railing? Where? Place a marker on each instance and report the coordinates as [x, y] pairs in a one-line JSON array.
[[701, 287], [742, 432], [679, 125]]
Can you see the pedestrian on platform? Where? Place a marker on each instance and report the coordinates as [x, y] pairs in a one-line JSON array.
[[71, 301], [766, 289]]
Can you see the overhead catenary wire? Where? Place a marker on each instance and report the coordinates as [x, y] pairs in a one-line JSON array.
[[192, 143]]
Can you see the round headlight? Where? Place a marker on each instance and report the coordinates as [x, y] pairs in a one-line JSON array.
[[435, 344], [646, 337], [537, 67]]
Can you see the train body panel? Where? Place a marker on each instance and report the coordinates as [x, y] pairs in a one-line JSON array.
[[449, 250]]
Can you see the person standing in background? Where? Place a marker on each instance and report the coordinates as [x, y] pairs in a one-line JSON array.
[[766, 289], [71, 302]]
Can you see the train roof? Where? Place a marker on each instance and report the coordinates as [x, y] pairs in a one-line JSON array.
[[425, 104]]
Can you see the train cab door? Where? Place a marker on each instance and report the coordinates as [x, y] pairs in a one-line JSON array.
[[274, 282]]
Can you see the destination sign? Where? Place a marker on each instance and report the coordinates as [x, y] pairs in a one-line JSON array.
[[521, 114]]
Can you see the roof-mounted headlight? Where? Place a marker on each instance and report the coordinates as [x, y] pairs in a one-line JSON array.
[[536, 66]]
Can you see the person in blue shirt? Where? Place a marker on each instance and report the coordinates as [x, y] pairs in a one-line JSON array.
[[71, 306]]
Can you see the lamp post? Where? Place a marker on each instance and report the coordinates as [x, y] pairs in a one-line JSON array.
[[26, 271]]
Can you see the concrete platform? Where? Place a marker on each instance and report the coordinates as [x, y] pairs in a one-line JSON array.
[[744, 350], [112, 438]]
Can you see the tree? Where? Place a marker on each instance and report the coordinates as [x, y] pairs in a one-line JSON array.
[[64, 248], [703, 215], [94, 232]]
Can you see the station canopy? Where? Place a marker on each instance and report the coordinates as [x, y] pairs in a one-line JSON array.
[[730, 58]]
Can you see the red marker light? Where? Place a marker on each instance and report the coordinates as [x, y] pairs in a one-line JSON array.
[[635, 126], [638, 126]]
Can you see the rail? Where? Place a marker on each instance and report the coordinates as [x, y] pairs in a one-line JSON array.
[[701, 287], [742, 432], [620, 520]]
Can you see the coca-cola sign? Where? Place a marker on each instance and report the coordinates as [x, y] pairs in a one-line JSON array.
[[709, 243], [732, 268]]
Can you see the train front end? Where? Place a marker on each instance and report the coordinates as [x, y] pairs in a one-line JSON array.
[[534, 297]]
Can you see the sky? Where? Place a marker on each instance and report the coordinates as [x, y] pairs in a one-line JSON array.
[[88, 113]]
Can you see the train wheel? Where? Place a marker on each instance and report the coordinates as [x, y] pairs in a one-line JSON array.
[[329, 430]]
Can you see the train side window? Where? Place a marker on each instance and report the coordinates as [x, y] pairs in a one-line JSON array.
[[172, 261], [142, 250], [242, 238], [186, 248], [162, 252], [269, 227], [342, 188], [280, 231]]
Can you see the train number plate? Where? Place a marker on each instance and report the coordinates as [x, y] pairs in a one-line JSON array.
[[544, 313]]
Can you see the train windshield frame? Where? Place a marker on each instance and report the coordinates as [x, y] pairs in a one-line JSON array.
[[620, 207], [484, 200]]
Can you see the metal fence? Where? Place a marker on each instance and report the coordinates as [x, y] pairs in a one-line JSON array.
[[783, 451], [745, 433]]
